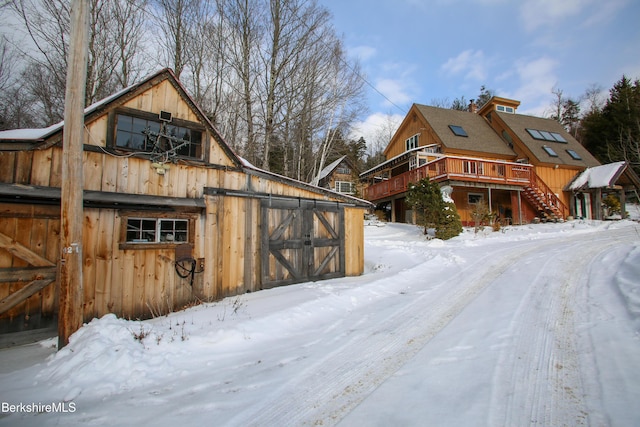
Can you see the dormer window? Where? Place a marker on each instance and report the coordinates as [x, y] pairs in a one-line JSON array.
[[505, 109], [412, 142], [458, 130]]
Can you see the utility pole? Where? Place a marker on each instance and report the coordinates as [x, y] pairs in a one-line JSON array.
[[71, 302]]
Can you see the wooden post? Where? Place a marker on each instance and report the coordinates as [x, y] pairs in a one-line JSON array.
[[70, 315]]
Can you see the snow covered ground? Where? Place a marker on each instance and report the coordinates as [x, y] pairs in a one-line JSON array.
[[530, 325]]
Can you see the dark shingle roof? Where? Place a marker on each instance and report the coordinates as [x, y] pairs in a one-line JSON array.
[[481, 137], [519, 124]]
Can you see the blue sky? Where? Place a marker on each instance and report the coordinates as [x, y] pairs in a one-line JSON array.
[[418, 51]]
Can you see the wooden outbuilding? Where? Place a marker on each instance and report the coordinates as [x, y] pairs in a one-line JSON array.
[[172, 216], [590, 188]]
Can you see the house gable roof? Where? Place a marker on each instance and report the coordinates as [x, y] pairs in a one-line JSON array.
[[26, 139], [480, 138], [519, 123]]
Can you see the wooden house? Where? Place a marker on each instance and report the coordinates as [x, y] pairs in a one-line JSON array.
[[518, 165], [341, 176], [172, 215]]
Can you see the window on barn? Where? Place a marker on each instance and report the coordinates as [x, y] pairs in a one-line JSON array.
[[141, 231], [144, 132], [149, 230]]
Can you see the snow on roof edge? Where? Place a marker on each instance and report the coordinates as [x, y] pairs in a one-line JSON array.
[[597, 176]]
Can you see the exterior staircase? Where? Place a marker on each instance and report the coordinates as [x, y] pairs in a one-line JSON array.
[[544, 200]]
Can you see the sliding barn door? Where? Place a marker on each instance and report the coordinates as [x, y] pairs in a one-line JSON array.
[[301, 241]]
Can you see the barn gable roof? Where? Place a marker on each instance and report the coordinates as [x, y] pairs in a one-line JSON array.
[[27, 139]]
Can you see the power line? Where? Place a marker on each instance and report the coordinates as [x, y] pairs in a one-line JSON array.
[[345, 62]]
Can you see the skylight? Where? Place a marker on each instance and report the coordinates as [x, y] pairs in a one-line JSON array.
[[550, 151], [574, 155], [458, 130], [544, 135]]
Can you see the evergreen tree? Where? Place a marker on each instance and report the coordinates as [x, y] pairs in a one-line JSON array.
[[484, 96], [613, 133], [449, 224], [432, 211]]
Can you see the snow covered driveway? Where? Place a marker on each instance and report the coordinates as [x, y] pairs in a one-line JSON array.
[[534, 325]]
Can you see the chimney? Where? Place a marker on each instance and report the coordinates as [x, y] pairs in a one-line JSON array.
[[473, 108]]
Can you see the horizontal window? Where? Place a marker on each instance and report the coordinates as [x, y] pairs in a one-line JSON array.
[[505, 109], [147, 133], [139, 230], [544, 135], [156, 230], [344, 187]]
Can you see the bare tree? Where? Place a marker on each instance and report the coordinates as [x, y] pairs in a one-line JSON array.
[[114, 38], [176, 20], [243, 18], [127, 29]]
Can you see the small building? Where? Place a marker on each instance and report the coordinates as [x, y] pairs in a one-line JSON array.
[[517, 165], [172, 216], [341, 176], [591, 187]]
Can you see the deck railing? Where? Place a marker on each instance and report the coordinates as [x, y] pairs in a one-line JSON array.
[[454, 168]]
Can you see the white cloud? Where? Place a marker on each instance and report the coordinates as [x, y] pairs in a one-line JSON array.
[[363, 53], [395, 91], [537, 13], [536, 78], [377, 129], [470, 63]]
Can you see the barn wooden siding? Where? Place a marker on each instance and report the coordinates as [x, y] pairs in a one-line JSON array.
[[133, 282], [222, 201]]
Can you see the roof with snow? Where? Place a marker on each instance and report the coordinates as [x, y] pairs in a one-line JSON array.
[[327, 170], [603, 176]]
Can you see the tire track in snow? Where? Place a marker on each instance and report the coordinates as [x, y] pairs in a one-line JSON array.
[[541, 371], [326, 391]]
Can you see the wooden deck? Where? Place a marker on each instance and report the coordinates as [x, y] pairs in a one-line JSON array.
[[451, 168]]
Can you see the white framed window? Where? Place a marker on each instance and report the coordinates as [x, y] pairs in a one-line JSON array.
[[505, 109], [411, 142], [473, 167], [157, 230], [413, 163], [344, 187]]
